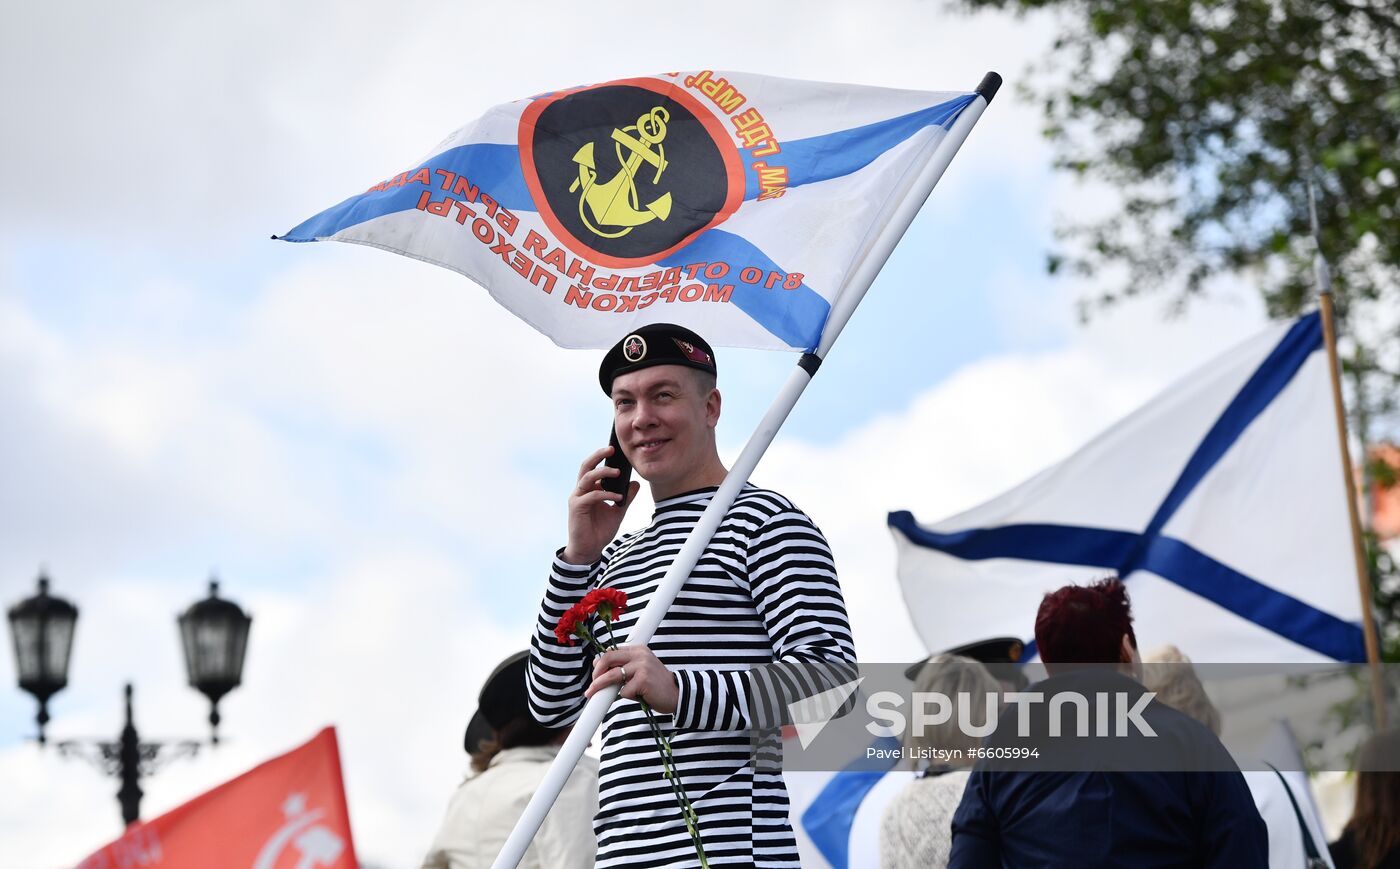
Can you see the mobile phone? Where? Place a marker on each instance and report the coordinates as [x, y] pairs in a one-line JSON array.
[[617, 485]]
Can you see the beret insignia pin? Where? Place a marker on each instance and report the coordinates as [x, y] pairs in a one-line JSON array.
[[693, 353], [634, 349]]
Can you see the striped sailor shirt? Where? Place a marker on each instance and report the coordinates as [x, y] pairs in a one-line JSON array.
[[764, 591]]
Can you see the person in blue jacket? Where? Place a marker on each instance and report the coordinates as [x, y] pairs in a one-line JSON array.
[[1086, 769]]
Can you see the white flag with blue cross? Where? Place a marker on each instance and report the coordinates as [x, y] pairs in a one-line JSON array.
[[1221, 503]]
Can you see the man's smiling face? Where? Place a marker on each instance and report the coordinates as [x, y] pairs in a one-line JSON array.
[[665, 417]]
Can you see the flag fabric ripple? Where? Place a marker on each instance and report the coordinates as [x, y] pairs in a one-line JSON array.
[[288, 812], [738, 205]]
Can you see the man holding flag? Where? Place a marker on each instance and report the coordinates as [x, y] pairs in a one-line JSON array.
[[757, 210], [765, 590]]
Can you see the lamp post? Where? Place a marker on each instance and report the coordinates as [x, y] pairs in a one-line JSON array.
[[42, 628], [214, 635]]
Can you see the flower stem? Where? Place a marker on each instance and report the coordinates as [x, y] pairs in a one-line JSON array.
[[668, 767]]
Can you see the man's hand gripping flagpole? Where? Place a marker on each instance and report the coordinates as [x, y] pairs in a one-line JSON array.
[[904, 208]]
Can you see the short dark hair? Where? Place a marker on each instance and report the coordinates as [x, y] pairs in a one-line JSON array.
[[705, 380], [1084, 624]]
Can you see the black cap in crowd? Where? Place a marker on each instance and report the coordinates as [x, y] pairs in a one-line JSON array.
[[478, 731], [503, 698], [657, 344], [1002, 655]]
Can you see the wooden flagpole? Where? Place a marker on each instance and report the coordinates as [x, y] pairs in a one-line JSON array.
[[1363, 574]]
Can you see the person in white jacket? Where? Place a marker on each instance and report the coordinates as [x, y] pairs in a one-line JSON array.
[[510, 755]]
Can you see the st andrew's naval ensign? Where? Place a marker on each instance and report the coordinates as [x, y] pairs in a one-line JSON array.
[[627, 172]]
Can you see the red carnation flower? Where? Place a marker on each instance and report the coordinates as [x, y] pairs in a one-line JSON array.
[[567, 630], [608, 603]]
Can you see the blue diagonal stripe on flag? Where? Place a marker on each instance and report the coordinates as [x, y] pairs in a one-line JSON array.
[[1055, 544], [1263, 387], [828, 819], [1250, 599], [797, 316], [493, 168], [1171, 559], [1174, 560], [834, 155]]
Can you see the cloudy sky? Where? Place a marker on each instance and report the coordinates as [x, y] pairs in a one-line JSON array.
[[369, 452]]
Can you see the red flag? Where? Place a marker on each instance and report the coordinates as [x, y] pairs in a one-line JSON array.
[[288, 813]]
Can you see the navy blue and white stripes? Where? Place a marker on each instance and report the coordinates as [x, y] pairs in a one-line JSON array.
[[764, 591]]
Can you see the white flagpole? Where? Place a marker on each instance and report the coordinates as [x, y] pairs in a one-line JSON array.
[[861, 279]]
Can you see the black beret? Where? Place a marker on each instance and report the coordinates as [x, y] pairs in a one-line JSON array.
[[1001, 650], [657, 344], [1001, 655], [503, 697]]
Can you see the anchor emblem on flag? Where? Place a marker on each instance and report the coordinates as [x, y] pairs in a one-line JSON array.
[[611, 209]]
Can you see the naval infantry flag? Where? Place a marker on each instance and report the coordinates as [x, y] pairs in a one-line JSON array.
[[737, 205], [1221, 503]]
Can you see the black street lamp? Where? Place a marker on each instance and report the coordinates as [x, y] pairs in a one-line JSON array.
[[214, 633], [42, 628]]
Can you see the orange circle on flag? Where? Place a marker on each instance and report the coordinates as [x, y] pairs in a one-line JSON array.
[[626, 172]]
